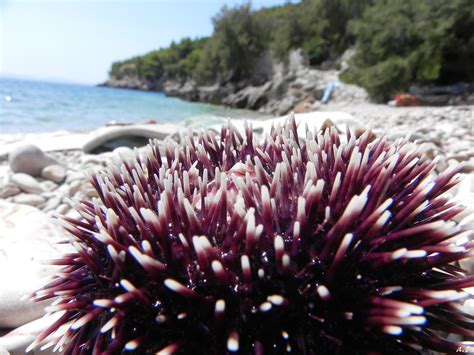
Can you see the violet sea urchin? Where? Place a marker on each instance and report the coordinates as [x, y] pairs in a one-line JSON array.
[[329, 245]]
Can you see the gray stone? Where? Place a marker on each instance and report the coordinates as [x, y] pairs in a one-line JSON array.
[[90, 160], [29, 199], [52, 203], [470, 153], [75, 175], [468, 265], [63, 208], [430, 150], [467, 167], [48, 194], [133, 82], [442, 165], [9, 190], [459, 156], [94, 169], [461, 132], [74, 187], [26, 183], [90, 192], [48, 185], [55, 172], [29, 159]]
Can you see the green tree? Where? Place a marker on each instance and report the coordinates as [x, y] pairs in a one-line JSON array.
[[400, 42], [236, 43]]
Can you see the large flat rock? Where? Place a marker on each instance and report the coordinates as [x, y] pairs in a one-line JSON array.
[[28, 239], [87, 141]]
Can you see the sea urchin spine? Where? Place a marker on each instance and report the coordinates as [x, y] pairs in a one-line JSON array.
[[331, 244]]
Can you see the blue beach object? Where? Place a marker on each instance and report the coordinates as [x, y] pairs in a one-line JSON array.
[[332, 85]]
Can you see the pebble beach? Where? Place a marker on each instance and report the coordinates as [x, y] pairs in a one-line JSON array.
[[447, 134], [236, 177], [43, 175]]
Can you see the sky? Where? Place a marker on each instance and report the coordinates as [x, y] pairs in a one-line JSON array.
[[77, 40]]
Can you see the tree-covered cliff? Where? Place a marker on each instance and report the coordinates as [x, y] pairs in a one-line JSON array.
[[397, 43]]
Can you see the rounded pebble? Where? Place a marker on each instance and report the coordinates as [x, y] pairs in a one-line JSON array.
[[29, 159], [55, 173], [26, 183]]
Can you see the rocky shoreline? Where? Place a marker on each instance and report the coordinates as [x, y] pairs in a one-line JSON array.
[[447, 134], [280, 88], [275, 88], [48, 179]]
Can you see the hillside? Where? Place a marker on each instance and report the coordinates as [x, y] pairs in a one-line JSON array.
[[257, 59]]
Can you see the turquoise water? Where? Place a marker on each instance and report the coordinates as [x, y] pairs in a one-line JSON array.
[[34, 106]]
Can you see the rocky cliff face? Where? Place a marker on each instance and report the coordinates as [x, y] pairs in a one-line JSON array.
[[133, 82], [274, 88]]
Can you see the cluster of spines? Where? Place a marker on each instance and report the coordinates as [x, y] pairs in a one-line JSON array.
[[221, 235]]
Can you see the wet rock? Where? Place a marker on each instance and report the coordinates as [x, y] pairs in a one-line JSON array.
[[29, 159]]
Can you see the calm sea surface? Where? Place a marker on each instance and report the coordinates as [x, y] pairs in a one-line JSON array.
[[34, 106]]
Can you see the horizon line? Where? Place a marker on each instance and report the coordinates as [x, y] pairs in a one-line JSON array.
[[46, 79]]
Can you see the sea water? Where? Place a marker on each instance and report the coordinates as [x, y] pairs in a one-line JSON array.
[[35, 106]]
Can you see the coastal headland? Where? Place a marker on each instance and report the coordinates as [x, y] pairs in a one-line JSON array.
[[296, 56]]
